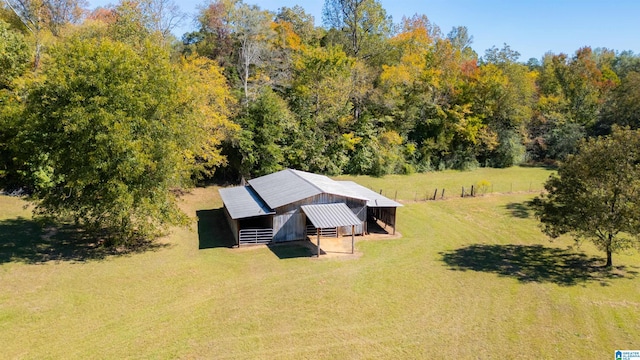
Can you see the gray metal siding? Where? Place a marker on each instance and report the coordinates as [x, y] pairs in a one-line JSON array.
[[361, 213], [322, 199], [285, 220], [289, 226], [233, 224]]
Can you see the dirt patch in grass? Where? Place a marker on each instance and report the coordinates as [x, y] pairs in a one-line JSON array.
[[330, 248]]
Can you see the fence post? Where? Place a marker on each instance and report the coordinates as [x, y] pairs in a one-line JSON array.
[[380, 191], [462, 192], [435, 194], [396, 196], [473, 191], [442, 197]]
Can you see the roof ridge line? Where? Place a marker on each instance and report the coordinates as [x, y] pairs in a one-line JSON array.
[[307, 181]]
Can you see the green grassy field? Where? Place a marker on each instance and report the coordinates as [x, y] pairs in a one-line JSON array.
[[470, 278], [418, 186]]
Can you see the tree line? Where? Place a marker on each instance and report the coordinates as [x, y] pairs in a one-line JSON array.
[[365, 95], [104, 112]]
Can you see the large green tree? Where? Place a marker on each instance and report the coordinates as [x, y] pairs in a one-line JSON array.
[[428, 94], [362, 27], [584, 84], [105, 137], [623, 106], [505, 96], [213, 38], [14, 55], [596, 194], [15, 58], [364, 23], [321, 101], [301, 22], [266, 123]]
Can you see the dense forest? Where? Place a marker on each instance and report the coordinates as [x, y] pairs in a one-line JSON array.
[[107, 106], [364, 95], [360, 95]]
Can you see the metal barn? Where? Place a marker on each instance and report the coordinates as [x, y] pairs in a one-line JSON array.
[[290, 205]]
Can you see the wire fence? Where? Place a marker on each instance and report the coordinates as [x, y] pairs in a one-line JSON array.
[[462, 191]]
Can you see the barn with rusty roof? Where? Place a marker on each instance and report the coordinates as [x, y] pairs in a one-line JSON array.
[[291, 205]]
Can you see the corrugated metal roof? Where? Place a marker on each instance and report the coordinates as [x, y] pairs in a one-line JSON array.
[[242, 202], [330, 215], [374, 199], [327, 185], [288, 186]]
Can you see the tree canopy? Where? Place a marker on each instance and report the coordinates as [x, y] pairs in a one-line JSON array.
[[104, 137], [596, 194], [14, 55]]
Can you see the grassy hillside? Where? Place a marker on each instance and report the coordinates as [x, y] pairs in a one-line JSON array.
[[470, 278]]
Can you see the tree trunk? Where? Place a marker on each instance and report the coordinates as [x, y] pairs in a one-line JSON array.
[[36, 60], [609, 262], [245, 83]]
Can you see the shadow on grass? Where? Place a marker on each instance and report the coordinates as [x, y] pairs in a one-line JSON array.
[[520, 210], [295, 249], [534, 263], [213, 230], [23, 240]]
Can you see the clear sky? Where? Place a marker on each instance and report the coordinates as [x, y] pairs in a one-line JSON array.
[[531, 27]]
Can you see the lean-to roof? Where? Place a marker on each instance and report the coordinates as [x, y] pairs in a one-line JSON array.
[[373, 198], [330, 215], [242, 202]]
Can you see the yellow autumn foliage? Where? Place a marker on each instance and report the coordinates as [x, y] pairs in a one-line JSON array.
[[213, 105]]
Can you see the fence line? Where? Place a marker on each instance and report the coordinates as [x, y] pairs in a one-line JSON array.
[[473, 190]]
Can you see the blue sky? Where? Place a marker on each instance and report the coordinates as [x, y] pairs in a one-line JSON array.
[[527, 26]]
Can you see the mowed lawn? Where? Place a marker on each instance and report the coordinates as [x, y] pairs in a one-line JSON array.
[[470, 278], [420, 186]]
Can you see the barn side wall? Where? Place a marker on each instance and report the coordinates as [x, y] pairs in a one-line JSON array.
[[233, 224], [361, 213], [289, 223], [289, 226]]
